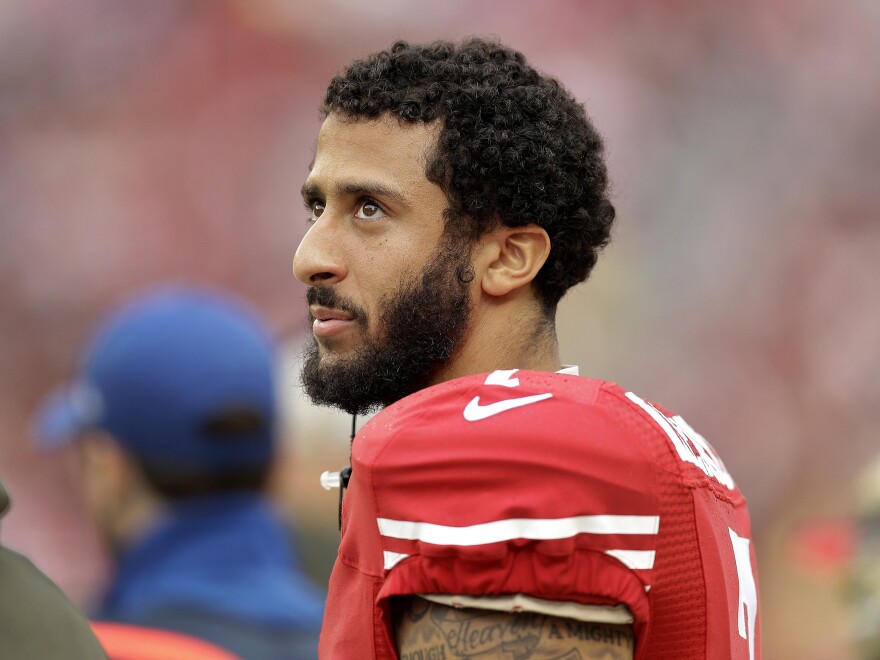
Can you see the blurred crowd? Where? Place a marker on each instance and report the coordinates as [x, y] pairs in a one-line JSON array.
[[167, 141]]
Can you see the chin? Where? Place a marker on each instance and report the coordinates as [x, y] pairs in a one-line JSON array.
[[335, 348]]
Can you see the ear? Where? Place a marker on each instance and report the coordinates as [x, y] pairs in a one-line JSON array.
[[513, 257]]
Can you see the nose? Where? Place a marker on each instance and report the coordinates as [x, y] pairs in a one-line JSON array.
[[318, 259]]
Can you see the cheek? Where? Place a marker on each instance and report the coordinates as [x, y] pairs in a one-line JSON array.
[[385, 267], [379, 272]]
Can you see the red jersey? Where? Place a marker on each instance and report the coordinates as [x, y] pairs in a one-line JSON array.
[[551, 486]]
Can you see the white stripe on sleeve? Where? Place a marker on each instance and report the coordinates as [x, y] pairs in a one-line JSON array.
[[538, 529], [392, 559], [635, 559]]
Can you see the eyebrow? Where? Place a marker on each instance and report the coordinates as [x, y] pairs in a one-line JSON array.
[[312, 191]]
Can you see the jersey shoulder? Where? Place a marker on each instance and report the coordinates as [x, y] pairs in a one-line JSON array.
[[509, 396], [522, 414], [513, 404], [510, 422]]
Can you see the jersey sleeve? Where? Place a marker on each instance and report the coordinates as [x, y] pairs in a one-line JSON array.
[[523, 485]]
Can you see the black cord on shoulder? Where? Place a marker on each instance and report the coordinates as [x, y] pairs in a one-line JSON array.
[[345, 473]]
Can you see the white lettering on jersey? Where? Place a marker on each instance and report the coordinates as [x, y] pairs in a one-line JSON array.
[[748, 593], [474, 412], [690, 445]]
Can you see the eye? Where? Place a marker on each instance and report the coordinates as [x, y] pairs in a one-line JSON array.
[[316, 208], [369, 210]]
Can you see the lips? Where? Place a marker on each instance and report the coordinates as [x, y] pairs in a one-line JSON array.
[[320, 313], [328, 321]]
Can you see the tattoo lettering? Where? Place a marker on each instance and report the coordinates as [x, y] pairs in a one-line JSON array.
[[432, 653], [429, 631], [601, 634], [473, 632]]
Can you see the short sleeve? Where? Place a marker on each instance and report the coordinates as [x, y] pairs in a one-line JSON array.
[[549, 499]]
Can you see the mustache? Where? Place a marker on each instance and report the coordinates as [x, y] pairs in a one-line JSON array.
[[326, 296]]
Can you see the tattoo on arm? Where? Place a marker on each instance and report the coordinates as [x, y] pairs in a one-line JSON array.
[[429, 631]]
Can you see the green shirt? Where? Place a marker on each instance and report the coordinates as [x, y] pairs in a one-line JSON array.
[[37, 621]]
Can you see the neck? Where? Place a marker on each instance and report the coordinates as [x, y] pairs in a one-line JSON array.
[[513, 333]]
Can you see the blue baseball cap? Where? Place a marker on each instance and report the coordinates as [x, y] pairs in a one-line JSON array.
[[160, 369]]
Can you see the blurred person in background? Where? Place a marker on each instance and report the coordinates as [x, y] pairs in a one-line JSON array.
[[36, 619], [495, 508], [172, 418], [865, 571]]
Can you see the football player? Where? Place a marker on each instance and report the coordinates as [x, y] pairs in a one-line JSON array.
[[499, 505]]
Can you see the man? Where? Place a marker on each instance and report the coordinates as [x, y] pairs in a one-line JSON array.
[[499, 506], [36, 619], [173, 416]]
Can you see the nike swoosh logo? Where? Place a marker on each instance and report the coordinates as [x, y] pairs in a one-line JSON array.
[[474, 412]]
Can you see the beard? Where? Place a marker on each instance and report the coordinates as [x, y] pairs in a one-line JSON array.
[[420, 327]]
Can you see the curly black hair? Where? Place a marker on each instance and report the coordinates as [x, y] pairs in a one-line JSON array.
[[515, 147]]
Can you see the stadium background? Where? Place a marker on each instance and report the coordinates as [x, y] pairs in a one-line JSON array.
[[167, 140]]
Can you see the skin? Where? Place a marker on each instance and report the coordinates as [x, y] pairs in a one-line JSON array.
[[375, 220], [427, 630], [114, 492]]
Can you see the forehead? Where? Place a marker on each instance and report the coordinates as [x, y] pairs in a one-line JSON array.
[[382, 149]]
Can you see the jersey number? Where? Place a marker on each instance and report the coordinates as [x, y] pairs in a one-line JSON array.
[[747, 607]]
